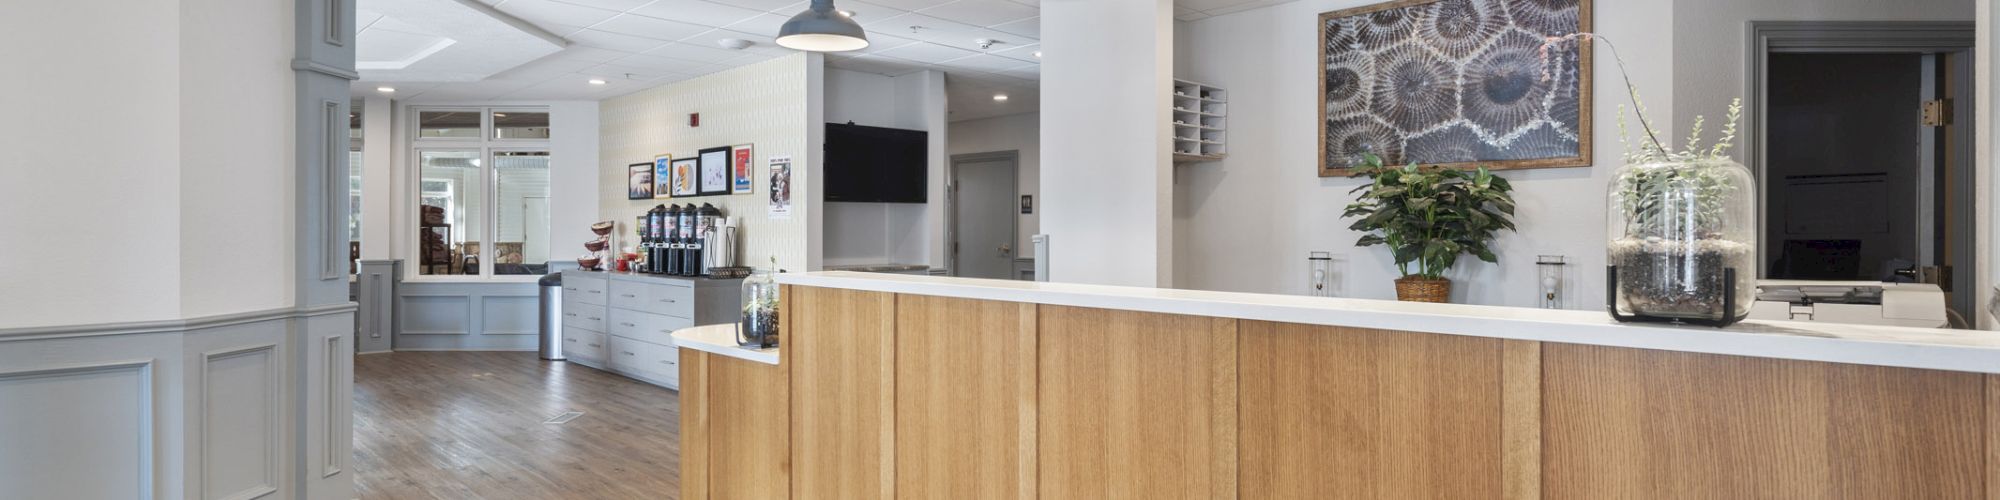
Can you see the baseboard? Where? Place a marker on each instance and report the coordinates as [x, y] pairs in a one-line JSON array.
[[467, 349]]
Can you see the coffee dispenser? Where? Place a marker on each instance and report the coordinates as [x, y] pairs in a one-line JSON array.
[[654, 239], [670, 256], [703, 221], [720, 245]]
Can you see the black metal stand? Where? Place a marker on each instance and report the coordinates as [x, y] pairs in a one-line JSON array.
[[1728, 302]]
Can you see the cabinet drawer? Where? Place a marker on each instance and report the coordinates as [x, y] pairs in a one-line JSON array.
[[677, 301], [582, 315], [628, 295], [643, 359], [644, 327], [583, 344], [588, 291]]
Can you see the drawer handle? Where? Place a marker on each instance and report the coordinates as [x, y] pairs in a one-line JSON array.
[[629, 324], [627, 295], [627, 353], [570, 340], [595, 345], [594, 318], [665, 362], [570, 314], [669, 301], [596, 291]]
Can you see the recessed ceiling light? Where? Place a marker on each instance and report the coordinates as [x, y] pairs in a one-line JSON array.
[[1038, 54], [499, 115], [385, 90], [999, 97], [597, 81], [735, 43]]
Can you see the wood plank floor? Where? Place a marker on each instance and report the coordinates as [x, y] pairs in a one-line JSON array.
[[469, 425]]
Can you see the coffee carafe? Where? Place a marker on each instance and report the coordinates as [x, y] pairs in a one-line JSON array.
[[670, 256], [720, 244], [654, 239], [704, 220]]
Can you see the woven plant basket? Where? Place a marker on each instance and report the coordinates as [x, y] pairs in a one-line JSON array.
[[1421, 289]]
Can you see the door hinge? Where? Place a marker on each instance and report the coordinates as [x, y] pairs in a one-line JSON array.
[[1937, 112]]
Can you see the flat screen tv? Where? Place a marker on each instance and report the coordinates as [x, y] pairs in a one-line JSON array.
[[876, 164]]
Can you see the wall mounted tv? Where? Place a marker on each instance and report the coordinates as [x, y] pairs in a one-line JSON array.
[[876, 164]]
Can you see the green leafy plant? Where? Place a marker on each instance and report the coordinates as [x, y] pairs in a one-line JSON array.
[[1429, 216]]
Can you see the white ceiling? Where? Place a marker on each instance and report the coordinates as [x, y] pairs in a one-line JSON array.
[[640, 44]]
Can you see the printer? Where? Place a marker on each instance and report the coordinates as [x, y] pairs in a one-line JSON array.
[[1857, 302]]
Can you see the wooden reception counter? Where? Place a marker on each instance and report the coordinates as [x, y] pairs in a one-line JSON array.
[[911, 387]]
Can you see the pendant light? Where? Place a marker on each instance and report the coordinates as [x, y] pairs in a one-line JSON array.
[[822, 29]]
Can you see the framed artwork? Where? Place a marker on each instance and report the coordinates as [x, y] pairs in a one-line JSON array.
[[684, 172], [740, 167], [663, 175], [713, 168], [639, 181], [781, 187], [1458, 83]]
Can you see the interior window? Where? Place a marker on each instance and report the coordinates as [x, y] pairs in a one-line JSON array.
[[449, 214]]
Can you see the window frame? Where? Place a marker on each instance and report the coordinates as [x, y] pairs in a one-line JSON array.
[[486, 147]]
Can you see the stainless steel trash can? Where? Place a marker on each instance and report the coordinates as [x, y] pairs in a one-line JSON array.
[[551, 323]]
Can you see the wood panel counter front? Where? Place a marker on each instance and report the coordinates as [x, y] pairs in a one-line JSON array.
[[932, 388]]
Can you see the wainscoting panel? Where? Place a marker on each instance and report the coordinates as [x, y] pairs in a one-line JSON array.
[[241, 406], [438, 316], [77, 430], [509, 315]]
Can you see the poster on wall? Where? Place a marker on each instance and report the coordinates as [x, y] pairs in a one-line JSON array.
[[781, 187], [663, 175], [684, 172], [1502, 84], [740, 170], [639, 181], [714, 168]]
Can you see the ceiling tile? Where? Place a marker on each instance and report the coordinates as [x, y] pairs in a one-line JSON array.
[[926, 53], [878, 42], [943, 32], [614, 41], [713, 39], [541, 12], [1023, 53], [767, 5], [1030, 27], [981, 62], [981, 12], [365, 18], [1028, 72], [1252, 5], [1207, 5], [385, 46], [864, 11], [697, 12], [650, 27], [912, 5], [666, 65], [766, 25], [693, 52], [617, 5], [589, 54]]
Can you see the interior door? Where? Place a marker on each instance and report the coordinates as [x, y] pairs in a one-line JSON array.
[[984, 194]]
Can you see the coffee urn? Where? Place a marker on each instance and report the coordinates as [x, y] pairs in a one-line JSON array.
[[670, 255], [705, 220], [653, 244]]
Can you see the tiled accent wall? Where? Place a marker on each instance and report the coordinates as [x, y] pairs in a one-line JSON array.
[[763, 104]]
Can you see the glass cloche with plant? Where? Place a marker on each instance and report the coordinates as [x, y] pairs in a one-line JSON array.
[[1683, 229]]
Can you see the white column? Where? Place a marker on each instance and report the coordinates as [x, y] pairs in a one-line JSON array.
[[1107, 169]]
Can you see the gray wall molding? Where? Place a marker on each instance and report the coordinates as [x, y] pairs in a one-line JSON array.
[[325, 69], [173, 325]]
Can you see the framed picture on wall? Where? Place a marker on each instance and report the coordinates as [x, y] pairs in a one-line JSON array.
[[714, 168], [663, 175], [740, 167], [639, 181], [1503, 84], [684, 172]]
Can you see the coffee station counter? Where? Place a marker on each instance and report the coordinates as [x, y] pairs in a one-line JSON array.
[[896, 386]]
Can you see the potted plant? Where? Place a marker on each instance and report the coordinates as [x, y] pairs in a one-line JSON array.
[[1429, 216]]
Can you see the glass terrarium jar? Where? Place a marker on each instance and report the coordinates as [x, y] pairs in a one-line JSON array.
[[760, 311], [1683, 241]]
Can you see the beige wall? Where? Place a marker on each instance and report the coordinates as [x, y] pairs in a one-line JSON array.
[[763, 104]]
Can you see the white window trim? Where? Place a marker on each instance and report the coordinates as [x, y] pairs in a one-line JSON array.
[[486, 145]]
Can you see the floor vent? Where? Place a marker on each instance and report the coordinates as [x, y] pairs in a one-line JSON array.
[[564, 418]]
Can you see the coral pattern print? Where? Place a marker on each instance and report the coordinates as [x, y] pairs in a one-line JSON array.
[[1455, 83]]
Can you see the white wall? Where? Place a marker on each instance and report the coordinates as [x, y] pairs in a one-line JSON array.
[[573, 177], [883, 233], [1020, 133], [1246, 223], [379, 213], [764, 104], [1107, 72], [149, 173]]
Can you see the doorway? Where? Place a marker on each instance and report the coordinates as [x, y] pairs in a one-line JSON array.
[[983, 192], [1861, 140]]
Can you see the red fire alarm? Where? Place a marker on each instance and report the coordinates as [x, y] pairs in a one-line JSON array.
[[694, 119]]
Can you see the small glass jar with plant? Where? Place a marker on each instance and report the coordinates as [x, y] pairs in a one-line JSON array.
[[1428, 216], [1682, 222]]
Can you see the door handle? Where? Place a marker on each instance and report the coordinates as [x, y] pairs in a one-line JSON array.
[[1006, 249]]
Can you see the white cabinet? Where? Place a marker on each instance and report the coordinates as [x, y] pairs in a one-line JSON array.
[[624, 323]]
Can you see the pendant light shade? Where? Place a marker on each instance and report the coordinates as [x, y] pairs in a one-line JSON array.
[[822, 29]]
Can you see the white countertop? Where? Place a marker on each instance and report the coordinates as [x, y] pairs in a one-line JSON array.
[[721, 340], [1957, 350]]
